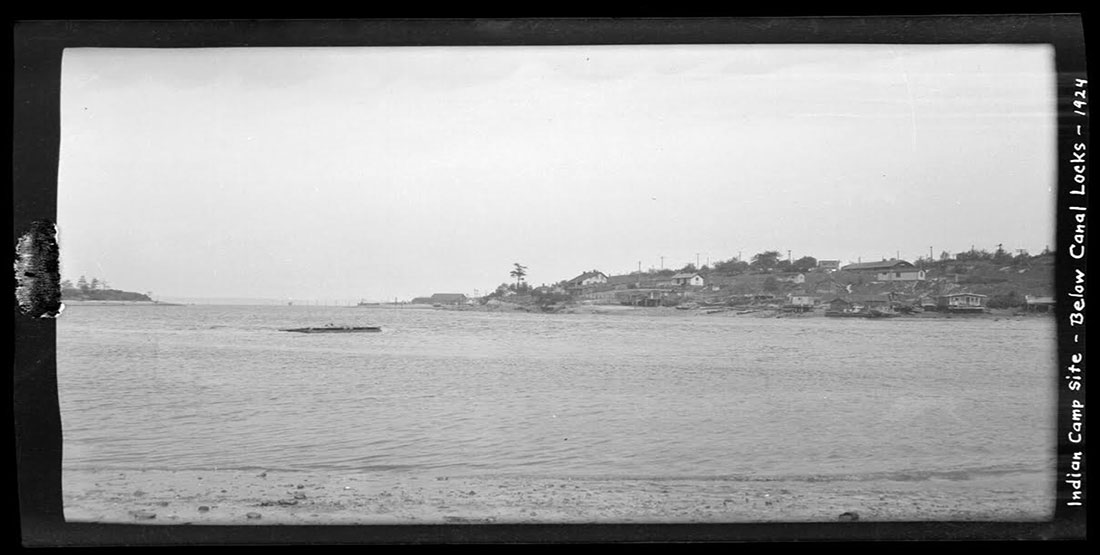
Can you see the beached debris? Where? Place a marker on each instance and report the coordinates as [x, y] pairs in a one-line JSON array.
[[850, 516], [253, 516], [203, 508], [299, 495], [283, 502], [145, 515]]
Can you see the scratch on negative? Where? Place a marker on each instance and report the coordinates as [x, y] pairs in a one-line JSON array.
[[37, 271]]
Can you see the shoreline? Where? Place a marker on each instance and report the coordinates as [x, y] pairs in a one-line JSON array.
[[116, 303], [237, 497], [745, 311]]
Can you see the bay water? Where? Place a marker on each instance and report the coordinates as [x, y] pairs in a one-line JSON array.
[[642, 393]]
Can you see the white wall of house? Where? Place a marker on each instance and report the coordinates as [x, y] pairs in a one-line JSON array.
[[594, 280], [902, 275], [964, 300], [801, 300]]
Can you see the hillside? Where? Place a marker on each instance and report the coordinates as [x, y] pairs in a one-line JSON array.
[[1005, 283], [1005, 280]]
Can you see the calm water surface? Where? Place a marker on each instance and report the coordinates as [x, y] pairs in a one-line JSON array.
[[623, 395]]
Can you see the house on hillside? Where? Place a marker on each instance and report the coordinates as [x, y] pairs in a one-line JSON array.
[[961, 302], [855, 304], [888, 270], [828, 265], [792, 278], [593, 277], [692, 279], [448, 299], [1038, 304], [800, 302]]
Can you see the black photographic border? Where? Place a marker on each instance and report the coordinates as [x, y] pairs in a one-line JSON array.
[[38, 46]]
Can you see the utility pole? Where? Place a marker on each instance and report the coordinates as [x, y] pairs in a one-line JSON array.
[[788, 255], [639, 266], [696, 261], [662, 262]]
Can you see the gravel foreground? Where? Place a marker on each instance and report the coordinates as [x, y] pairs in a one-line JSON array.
[[235, 497]]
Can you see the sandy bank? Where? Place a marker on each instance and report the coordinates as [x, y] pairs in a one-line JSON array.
[[251, 497]]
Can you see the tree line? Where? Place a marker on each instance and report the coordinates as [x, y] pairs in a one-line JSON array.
[[98, 289]]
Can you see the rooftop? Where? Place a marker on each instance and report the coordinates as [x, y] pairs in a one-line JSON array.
[[587, 275], [891, 264]]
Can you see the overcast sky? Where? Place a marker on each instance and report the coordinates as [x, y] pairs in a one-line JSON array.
[[374, 173]]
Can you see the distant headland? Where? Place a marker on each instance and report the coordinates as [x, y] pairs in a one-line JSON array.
[[97, 291]]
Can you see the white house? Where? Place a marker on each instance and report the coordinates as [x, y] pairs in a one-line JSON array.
[[801, 300], [792, 278], [589, 278], [889, 270], [961, 302], [688, 278]]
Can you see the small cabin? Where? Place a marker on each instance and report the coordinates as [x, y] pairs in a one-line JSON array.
[[961, 302], [889, 270], [688, 279], [859, 303], [792, 278], [1038, 304], [800, 302]]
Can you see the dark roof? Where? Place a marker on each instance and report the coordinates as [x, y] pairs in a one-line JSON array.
[[686, 275], [629, 278], [448, 297], [587, 275], [881, 265], [963, 295]]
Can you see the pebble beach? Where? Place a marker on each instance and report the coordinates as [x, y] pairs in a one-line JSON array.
[[238, 497]]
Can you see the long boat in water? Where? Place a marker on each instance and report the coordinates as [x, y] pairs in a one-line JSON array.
[[336, 329]]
